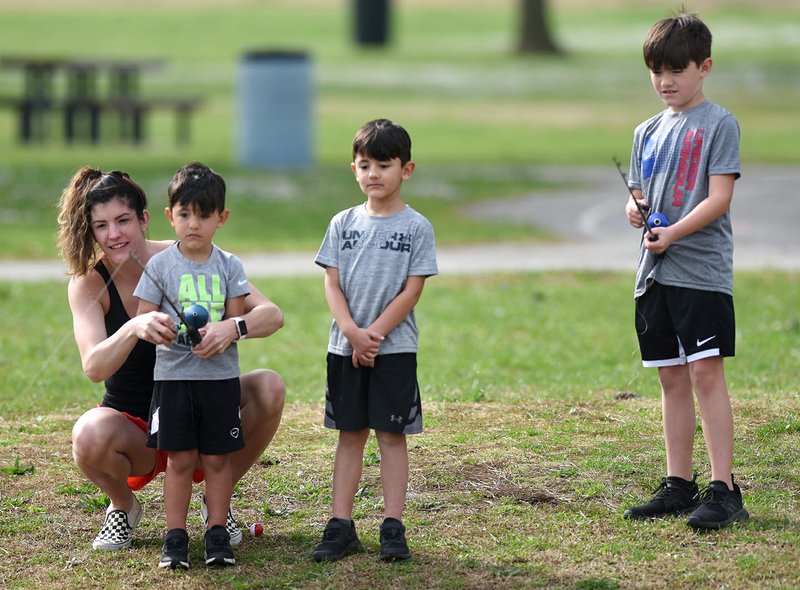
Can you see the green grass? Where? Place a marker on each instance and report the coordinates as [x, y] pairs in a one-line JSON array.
[[530, 453], [481, 116], [484, 338], [523, 495]]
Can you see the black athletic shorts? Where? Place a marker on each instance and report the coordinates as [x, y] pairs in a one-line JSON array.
[[676, 325], [384, 397], [201, 415]]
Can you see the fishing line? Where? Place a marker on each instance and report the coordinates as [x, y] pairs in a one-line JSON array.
[[48, 360], [194, 334]]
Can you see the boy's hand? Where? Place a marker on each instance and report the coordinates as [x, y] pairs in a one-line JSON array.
[[665, 237], [634, 217], [366, 346], [217, 337], [362, 360]]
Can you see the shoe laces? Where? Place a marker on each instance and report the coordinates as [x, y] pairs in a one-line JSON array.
[[332, 533], [217, 537], [713, 494], [663, 490], [392, 534], [174, 542]]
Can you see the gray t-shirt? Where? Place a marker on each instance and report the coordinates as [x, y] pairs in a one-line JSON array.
[[187, 283], [673, 156], [374, 256]]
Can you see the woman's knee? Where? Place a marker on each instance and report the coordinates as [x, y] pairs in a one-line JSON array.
[[93, 434], [263, 388]]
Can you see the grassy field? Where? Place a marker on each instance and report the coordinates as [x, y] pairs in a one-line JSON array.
[[541, 425], [482, 117]]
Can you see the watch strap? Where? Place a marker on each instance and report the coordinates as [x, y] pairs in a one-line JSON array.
[[241, 328]]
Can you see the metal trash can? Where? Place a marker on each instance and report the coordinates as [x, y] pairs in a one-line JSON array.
[[275, 110]]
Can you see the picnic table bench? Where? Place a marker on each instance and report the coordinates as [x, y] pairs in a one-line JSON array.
[[84, 103]]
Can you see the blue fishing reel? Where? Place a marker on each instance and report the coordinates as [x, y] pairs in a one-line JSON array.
[[657, 220], [196, 316]]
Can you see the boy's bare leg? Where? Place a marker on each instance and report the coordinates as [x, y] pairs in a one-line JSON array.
[[678, 416], [394, 473], [178, 487], [708, 378], [217, 470], [347, 471]]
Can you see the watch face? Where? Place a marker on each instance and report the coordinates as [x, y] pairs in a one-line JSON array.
[[242, 325]]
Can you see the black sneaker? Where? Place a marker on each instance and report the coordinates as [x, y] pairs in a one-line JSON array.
[[393, 540], [673, 496], [218, 546], [175, 551], [230, 523], [338, 540], [719, 507]]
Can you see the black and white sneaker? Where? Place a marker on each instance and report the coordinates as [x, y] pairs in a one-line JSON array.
[[393, 540], [673, 496], [230, 523], [218, 546], [117, 530], [175, 551], [719, 507], [338, 540]]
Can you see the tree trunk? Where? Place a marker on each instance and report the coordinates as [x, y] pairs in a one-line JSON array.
[[534, 32]]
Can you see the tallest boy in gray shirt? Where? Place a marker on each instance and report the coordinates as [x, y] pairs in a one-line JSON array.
[[684, 163], [376, 256]]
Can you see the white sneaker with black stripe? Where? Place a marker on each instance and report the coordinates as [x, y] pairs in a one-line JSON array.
[[230, 523], [117, 530]]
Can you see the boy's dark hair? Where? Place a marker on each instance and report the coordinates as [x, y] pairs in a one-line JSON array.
[[383, 140], [675, 41], [196, 186]]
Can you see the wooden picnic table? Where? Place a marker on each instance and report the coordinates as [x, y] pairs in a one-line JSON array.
[[93, 87], [37, 95]]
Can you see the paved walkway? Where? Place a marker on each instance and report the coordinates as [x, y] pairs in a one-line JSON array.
[[589, 219]]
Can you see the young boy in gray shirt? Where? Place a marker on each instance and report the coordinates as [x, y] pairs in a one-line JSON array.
[[194, 413], [376, 257], [684, 163]]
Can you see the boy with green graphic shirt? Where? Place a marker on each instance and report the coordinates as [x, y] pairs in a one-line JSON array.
[[194, 413]]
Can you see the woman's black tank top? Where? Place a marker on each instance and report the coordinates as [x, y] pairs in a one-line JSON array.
[[131, 387]]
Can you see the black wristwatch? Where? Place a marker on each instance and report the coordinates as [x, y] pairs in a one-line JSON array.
[[241, 328]]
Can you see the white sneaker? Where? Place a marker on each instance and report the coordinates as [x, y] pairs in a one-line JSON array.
[[230, 523], [117, 531]]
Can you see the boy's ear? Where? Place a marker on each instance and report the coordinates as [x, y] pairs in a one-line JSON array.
[[168, 213], [353, 167], [705, 67], [223, 217], [408, 169]]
